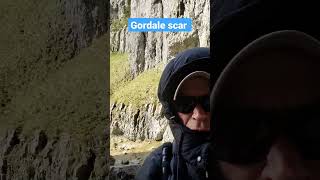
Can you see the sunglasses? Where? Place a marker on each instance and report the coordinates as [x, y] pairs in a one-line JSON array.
[[244, 136], [186, 104]]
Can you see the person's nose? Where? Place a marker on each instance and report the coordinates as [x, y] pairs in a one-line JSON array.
[[199, 113], [284, 162]]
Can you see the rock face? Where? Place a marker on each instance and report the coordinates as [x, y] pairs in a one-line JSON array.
[[87, 19], [40, 157], [144, 123], [126, 172], [147, 49], [53, 89], [118, 38], [119, 41], [118, 8], [167, 135]]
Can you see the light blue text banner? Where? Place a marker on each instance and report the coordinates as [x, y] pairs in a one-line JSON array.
[[159, 24]]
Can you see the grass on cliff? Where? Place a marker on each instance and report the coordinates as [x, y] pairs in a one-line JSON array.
[[72, 100], [119, 70], [118, 24], [137, 92], [140, 91]]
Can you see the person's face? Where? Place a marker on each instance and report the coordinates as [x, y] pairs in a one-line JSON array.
[[283, 162], [198, 119], [273, 89]]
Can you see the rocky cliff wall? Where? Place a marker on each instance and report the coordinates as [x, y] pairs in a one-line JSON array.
[[40, 157], [118, 8], [151, 48], [53, 90], [143, 123]]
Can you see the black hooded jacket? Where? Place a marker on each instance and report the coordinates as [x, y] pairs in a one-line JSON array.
[[190, 148]]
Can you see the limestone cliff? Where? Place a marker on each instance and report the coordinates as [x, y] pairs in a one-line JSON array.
[[53, 89], [151, 48], [143, 123]]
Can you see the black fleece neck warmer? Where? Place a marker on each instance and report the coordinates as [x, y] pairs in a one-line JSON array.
[[190, 143]]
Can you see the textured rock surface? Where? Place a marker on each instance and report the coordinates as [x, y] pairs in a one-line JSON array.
[[123, 44], [38, 157], [119, 41], [118, 7], [138, 124], [158, 47], [167, 135], [123, 172]]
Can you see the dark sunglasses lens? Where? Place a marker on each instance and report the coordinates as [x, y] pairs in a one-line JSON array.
[[187, 108], [206, 103], [184, 104]]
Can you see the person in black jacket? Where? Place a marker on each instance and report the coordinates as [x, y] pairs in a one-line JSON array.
[[184, 94]]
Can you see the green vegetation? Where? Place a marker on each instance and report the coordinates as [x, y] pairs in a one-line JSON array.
[[119, 71], [71, 100], [27, 28], [118, 24], [127, 9], [139, 91], [32, 43]]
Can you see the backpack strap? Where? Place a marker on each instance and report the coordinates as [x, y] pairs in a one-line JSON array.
[[166, 159]]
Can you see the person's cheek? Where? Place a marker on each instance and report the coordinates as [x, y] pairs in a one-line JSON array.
[[193, 123], [313, 166], [185, 118], [241, 172]]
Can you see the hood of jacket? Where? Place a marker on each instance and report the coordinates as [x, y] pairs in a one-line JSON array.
[[195, 59]]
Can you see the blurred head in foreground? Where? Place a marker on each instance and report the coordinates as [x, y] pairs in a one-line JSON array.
[[265, 109]]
